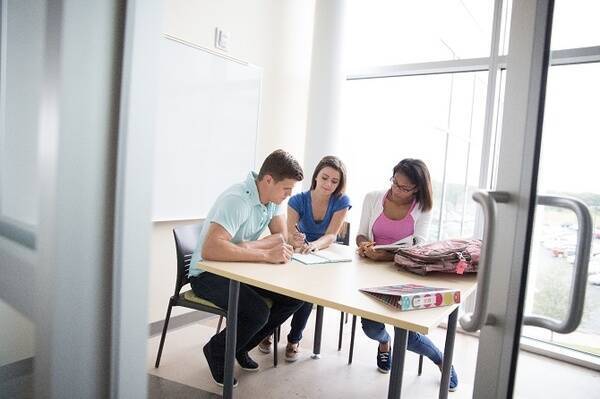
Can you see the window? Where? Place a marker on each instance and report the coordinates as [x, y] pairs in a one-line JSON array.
[[570, 145], [575, 24], [389, 32], [418, 106], [438, 119]]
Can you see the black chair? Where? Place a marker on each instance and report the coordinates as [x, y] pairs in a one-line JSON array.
[[186, 239]]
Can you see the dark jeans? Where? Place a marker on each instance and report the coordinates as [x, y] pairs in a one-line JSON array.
[[417, 343], [299, 321], [255, 319]]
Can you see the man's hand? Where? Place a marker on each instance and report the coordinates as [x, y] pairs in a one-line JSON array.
[[274, 239], [280, 253], [267, 242]]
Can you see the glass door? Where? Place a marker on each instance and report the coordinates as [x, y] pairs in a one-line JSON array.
[[569, 151], [21, 40], [540, 217]]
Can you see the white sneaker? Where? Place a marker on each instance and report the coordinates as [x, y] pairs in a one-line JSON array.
[[265, 345], [291, 352]]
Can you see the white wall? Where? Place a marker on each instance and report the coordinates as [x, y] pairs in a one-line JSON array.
[[273, 34]]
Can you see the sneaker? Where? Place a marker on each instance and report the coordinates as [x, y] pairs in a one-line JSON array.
[[291, 352], [453, 379], [265, 345], [384, 361], [216, 366], [246, 362]]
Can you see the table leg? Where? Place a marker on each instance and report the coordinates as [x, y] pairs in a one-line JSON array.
[[318, 331], [448, 353], [398, 355], [231, 335], [341, 331], [351, 352]]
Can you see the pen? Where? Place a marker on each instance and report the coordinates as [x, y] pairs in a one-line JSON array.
[[300, 231]]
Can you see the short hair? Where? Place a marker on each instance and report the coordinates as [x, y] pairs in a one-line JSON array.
[[416, 171], [281, 165], [334, 163]]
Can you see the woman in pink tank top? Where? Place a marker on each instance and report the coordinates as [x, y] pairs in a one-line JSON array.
[[403, 211], [389, 231]]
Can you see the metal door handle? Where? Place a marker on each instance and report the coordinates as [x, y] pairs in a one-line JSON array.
[[580, 267], [487, 199]]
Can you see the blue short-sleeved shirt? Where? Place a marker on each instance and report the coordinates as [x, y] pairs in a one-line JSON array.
[[302, 204], [239, 211]]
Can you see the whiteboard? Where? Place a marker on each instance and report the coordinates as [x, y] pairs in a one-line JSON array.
[[207, 126]]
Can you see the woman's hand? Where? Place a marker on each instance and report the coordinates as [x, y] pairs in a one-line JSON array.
[[377, 255], [362, 247], [308, 248], [297, 239]]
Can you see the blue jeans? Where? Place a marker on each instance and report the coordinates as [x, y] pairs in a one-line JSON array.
[[299, 321], [417, 343]]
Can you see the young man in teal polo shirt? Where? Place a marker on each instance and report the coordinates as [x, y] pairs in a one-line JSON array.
[[231, 232]]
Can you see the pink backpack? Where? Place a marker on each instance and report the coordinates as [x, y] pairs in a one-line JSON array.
[[448, 256]]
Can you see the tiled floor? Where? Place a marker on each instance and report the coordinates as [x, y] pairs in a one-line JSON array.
[[331, 377]]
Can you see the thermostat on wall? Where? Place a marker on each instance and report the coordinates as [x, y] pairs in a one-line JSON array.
[[221, 39]]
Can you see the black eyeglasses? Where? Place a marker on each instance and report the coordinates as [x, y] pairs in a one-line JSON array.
[[404, 189]]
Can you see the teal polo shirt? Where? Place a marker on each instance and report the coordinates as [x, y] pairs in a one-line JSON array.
[[239, 211]]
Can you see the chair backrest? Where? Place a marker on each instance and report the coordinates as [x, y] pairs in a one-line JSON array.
[[186, 239], [344, 235]]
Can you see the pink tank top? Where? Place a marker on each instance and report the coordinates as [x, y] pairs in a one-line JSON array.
[[388, 231]]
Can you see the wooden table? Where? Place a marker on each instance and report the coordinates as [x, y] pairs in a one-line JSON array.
[[336, 285]]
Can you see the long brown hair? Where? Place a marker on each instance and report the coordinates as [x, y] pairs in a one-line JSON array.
[[334, 163], [416, 171]]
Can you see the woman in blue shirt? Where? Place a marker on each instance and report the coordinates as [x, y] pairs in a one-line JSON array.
[[314, 219]]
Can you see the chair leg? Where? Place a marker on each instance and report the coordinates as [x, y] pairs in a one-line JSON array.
[[346, 320], [341, 331], [164, 334], [219, 325], [352, 339], [275, 340], [420, 364]]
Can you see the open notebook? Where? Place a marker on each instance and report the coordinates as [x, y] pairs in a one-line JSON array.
[[327, 255]]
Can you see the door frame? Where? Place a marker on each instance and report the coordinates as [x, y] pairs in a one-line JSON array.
[[133, 199], [527, 67]]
